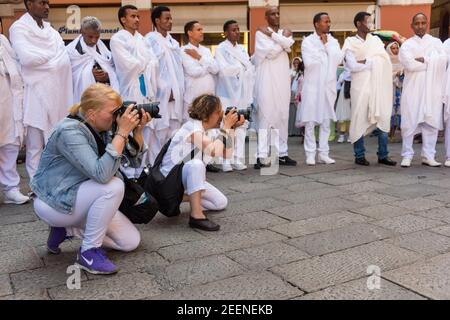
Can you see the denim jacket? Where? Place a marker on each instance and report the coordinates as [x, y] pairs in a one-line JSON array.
[[71, 158]]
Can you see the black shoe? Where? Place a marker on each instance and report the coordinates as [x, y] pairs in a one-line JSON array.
[[203, 224], [286, 161], [362, 161], [387, 161], [212, 168], [258, 165]]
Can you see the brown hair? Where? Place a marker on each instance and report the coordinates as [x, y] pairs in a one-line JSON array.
[[203, 106], [94, 97]]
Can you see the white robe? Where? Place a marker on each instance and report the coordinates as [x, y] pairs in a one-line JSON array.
[[11, 96], [371, 90], [198, 75], [423, 86], [170, 78], [447, 87], [236, 78], [82, 65], [273, 81], [319, 89], [134, 59], [46, 72]]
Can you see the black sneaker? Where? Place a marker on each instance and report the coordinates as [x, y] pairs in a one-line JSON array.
[[212, 168], [258, 165], [362, 161], [286, 161], [387, 161]]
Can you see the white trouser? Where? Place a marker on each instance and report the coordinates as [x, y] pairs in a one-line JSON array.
[[239, 145], [447, 139], [273, 136], [194, 179], [9, 178], [35, 142], [429, 139], [157, 138], [310, 139], [95, 217]]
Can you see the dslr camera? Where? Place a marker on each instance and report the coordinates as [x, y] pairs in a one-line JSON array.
[[152, 108], [246, 113]]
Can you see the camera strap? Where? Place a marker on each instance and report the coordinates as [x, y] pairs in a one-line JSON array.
[[101, 147]]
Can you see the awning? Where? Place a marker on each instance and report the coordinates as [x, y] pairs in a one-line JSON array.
[[212, 17], [299, 17]]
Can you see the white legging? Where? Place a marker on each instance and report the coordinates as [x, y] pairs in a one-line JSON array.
[[95, 217], [194, 179]]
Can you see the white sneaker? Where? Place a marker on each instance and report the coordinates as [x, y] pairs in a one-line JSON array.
[[15, 197], [341, 138], [326, 159], [348, 139], [239, 166], [431, 162], [311, 160], [226, 167], [447, 163], [406, 163]]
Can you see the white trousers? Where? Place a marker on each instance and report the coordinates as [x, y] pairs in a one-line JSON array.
[[239, 145], [95, 217], [447, 139], [310, 139], [194, 179], [271, 138], [35, 142], [9, 178], [429, 139]]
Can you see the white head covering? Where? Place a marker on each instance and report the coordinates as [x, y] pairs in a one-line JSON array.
[[396, 65]]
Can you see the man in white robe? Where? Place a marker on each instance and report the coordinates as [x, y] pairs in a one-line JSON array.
[[91, 60], [272, 89], [11, 122], [424, 59], [321, 55], [371, 90], [447, 105], [135, 69], [170, 80], [47, 75], [235, 84]]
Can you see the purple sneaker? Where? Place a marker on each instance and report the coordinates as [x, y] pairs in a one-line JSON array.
[[56, 236], [95, 261]]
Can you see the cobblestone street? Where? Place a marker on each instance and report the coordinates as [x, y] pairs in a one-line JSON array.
[[306, 233]]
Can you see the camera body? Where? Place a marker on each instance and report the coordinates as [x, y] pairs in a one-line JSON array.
[[246, 113], [97, 66], [152, 108]]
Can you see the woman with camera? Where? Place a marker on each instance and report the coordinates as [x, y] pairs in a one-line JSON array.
[[77, 187], [205, 113]]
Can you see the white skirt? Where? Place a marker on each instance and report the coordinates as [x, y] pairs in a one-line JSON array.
[[343, 110]]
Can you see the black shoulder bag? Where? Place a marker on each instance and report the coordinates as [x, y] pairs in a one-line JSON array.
[[137, 205]]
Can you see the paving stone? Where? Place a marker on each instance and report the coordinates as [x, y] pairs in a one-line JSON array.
[[5, 285], [253, 286], [398, 179], [408, 223], [16, 218], [19, 259], [31, 294], [424, 242], [306, 187], [343, 180], [251, 205], [289, 181], [430, 277], [314, 208], [42, 278], [364, 186], [200, 271], [370, 198], [268, 193], [338, 239], [268, 255], [22, 240], [331, 269], [444, 230], [441, 213], [251, 187], [12, 229], [244, 222], [13, 209], [411, 191], [319, 224], [299, 197], [441, 197], [125, 287], [381, 211], [418, 204], [359, 290], [441, 183], [219, 244]]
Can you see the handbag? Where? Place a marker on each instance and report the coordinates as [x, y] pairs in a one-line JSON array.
[[137, 205]]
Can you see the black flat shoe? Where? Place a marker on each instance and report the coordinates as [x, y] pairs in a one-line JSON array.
[[203, 224], [286, 161], [387, 161], [362, 161], [212, 168], [258, 165]]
